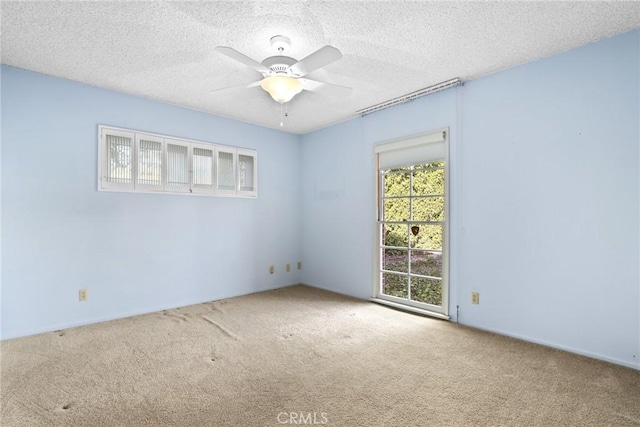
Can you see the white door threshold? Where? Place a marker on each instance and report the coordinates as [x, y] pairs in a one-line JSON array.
[[410, 308]]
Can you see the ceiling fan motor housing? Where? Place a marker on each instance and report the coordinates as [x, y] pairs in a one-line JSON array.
[[279, 64]]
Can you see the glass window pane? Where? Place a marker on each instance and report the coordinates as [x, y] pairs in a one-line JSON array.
[[396, 209], [401, 169], [245, 165], [426, 290], [150, 162], [426, 236], [396, 184], [438, 164], [177, 166], [118, 159], [394, 235], [395, 260], [395, 285], [202, 167], [428, 182], [428, 209], [426, 263], [226, 180]]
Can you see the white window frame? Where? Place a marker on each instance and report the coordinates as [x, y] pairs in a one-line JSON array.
[[148, 188], [165, 188], [227, 191], [254, 186], [103, 158]]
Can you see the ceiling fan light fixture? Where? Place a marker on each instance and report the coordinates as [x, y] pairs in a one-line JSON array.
[[281, 88]]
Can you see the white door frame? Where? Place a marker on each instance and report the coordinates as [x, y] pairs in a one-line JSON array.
[[401, 303]]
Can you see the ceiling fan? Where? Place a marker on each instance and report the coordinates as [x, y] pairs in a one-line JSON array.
[[283, 76]]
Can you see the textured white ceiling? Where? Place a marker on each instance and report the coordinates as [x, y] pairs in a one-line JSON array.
[[164, 50]]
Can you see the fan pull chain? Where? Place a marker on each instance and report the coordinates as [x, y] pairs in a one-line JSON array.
[[284, 112]]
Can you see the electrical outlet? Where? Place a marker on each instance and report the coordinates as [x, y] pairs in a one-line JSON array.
[[475, 298], [299, 265], [83, 295], [271, 269], [288, 267]]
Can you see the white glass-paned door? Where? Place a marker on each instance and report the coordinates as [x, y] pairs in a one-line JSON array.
[[412, 208], [178, 172]]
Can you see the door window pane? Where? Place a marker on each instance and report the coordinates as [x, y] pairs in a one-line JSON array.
[[426, 236], [396, 209], [394, 235], [395, 285], [428, 209], [426, 263], [397, 184], [428, 182], [395, 260], [426, 290]]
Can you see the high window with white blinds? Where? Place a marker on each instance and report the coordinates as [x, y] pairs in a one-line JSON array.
[[143, 162]]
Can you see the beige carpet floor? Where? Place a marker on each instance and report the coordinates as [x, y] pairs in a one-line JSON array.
[[299, 356]]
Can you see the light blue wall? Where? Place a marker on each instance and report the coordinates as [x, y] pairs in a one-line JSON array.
[[545, 198], [545, 202], [134, 253], [338, 232], [552, 182]]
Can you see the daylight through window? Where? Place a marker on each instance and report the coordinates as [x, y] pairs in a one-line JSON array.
[[144, 162]]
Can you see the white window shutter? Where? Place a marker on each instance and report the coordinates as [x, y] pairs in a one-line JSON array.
[[247, 173], [178, 179], [129, 160], [116, 168], [203, 168], [226, 170], [149, 150]]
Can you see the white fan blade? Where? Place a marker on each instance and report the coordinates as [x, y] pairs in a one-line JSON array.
[[240, 57], [244, 85], [318, 59], [323, 87]]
